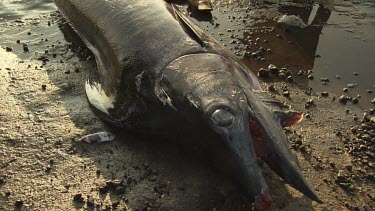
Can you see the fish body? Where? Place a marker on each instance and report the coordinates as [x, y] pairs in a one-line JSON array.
[[155, 65]]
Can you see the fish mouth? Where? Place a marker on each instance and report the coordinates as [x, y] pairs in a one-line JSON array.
[[272, 146]]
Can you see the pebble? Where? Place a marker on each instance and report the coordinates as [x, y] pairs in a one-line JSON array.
[[18, 203], [355, 100], [311, 76], [290, 79], [286, 94], [120, 190], [373, 101], [345, 90], [351, 85], [343, 99], [26, 48], [271, 88], [301, 72], [273, 69], [263, 73], [44, 87], [324, 79], [324, 94], [90, 202], [356, 73], [8, 49], [78, 198]]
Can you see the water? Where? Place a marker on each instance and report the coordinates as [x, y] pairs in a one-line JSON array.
[[338, 41], [12, 9]]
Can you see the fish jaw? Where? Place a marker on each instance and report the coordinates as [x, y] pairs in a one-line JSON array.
[[271, 145]]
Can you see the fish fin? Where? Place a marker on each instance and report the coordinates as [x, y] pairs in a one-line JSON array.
[[189, 27], [212, 46]]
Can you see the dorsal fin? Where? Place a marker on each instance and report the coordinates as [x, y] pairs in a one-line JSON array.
[[189, 27]]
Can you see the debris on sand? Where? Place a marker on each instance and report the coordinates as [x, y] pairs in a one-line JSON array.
[[201, 5], [292, 20], [99, 137]]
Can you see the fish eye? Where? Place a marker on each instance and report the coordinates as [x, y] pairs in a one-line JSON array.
[[222, 118]]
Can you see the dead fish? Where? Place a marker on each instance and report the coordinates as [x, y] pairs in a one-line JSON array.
[[201, 5], [98, 137], [157, 70]]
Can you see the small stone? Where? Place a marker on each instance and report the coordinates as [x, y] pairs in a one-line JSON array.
[[349, 167], [120, 190], [8, 49], [290, 79], [286, 94], [345, 90], [114, 183], [78, 197], [18, 203], [18, 41], [355, 100], [369, 91], [351, 85], [356, 73], [271, 88], [273, 69], [338, 77], [324, 80], [263, 73], [311, 76], [29, 33], [90, 202], [26, 49], [324, 94], [373, 101], [67, 72], [44, 87], [301, 72], [343, 99]]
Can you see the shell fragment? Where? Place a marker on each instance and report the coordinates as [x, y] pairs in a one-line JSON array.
[[99, 137]]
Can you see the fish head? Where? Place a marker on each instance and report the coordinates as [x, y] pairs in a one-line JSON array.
[[216, 91], [204, 90]]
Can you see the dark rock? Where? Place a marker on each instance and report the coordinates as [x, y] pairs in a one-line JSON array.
[[271, 88], [263, 73], [18, 203], [324, 94], [301, 72], [345, 90], [78, 198], [26, 49], [90, 202], [114, 183], [120, 190], [343, 99], [8, 49], [355, 100], [273, 69], [44, 87], [324, 79], [286, 94], [18, 41], [290, 79]]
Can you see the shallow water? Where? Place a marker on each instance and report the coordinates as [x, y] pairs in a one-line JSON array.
[[338, 41], [11, 9]]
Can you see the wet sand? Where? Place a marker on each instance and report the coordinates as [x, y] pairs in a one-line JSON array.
[[44, 113]]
